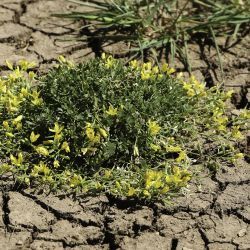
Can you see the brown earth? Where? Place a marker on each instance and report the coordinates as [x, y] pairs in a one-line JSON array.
[[214, 214]]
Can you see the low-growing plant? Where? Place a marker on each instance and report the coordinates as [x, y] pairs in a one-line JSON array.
[[133, 131]]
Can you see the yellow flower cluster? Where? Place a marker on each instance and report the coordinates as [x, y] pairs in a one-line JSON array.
[[57, 130], [13, 100], [17, 161], [42, 149], [94, 135], [163, 182], [152, 72], [41, 168], [153, 127], [149, 72], [12, 125], [154, 179], [236, 157], [178, 178], [75, 181], [62, 60], [220, 120], [112, 111], [65, 147], [166, 69], [236, 134], [109, 61], [245, 114], [13, 94], [134, 64], [194, 87]]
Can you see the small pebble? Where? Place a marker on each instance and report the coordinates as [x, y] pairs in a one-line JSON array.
[[19, 243], [242, 232]]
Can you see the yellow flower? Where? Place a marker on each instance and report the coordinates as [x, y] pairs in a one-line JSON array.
[[146, 72], [32, 75], [228, 94], [182, 157], [160, 76], [165, 189], [245, 114], [179, 178], [26, 65], [9, 134], [75, 181], [103, 132], [131, 191], [17, 161], [173, 149], [166, 69], [91, 135], [41, 168], [147, 66], [61, 59], [239, 156], [236, 133], [58, 137], [145, 75], [42, 150], [17, 120], [176, 170], [155, 70], [57, 128], [153, 179], [103, 56], [112, 111], [24, 92], [56, 164], [153, 127], [134, 64], [221, 127], [190, 92], [36, 99], [48, 142], [118, 185], [109, 62], [65, 146], [90, 132], [146, 193], [219, 118], [107, 173], [19, 126], [155, 147], [98, 185], [34, 137], [6, 125]]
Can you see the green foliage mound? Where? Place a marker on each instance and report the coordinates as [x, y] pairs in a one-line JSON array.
[[104, 126]]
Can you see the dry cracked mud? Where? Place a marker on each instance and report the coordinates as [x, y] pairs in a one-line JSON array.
[[214, 214]]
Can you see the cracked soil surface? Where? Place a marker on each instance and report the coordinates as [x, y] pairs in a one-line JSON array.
[[215, 213]]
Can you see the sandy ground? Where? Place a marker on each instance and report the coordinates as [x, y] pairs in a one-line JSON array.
[[215, 213]]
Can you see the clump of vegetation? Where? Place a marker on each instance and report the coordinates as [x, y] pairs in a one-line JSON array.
[[153, 25], [133, 131]]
